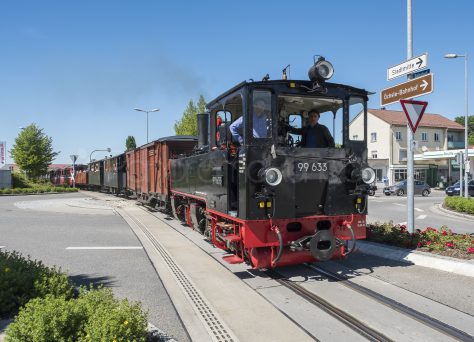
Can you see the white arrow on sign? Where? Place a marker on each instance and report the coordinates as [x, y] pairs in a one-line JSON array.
[[407, 67], [424, 84], [414, 111]]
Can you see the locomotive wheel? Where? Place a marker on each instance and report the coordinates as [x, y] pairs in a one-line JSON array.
[[400, 192]]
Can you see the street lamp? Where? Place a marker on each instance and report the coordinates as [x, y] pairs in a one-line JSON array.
[[90, 157], [146, 111], [466, 117]]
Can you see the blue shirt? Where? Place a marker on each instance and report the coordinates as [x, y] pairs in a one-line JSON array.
[[260, 128]]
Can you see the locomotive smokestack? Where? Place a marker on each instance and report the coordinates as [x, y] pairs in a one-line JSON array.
[[203, 129]]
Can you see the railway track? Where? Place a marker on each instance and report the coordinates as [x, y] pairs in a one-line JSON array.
[[352, 321], [392, 304]]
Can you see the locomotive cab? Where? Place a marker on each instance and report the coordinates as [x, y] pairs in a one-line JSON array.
[[270, 173]]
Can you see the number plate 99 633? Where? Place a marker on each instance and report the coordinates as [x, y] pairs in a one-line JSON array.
[[310, 167]]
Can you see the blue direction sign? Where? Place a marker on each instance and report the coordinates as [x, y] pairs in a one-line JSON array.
[[419, 73]]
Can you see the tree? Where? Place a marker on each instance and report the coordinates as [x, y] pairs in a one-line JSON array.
[[130, 143], [33, 151], [187, 125], [470, 127]]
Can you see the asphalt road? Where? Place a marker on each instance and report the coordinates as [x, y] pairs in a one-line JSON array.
[[394, 208], [51, 228]]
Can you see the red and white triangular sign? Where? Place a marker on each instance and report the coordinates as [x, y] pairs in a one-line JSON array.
[[414, 111]]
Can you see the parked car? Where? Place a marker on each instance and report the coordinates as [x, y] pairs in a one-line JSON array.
[[453, 190], [400, 189]]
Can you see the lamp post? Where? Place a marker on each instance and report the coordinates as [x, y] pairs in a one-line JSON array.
[[107, 149], [146, 111], [466, 117]]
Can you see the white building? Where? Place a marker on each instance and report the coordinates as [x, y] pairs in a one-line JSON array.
[[387, 146]]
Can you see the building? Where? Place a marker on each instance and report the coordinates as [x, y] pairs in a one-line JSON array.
[[387, 146], [5, 177]]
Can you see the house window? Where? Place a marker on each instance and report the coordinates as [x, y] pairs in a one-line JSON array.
[[436, 137], [450, 138], [398, 135], [400, 174], [374, 154], [424, 136], [373, 137], [402, 155], [355, 137]]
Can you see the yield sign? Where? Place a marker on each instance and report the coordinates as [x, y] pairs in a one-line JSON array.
[[414, 111]]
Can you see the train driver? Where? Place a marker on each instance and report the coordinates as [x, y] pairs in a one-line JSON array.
[[261, 122], [314, 134]]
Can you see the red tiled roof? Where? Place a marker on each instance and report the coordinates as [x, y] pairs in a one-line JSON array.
[[396, 117]]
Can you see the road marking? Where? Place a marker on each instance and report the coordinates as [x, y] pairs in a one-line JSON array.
[[400, 205], [421, 217], [418, 209], [107, 247]]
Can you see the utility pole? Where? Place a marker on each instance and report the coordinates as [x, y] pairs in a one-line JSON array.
[[410, 140]]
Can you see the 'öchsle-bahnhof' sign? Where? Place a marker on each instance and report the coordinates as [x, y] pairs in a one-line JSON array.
[[413, 88]]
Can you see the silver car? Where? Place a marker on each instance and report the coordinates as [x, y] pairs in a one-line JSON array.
[[400, 189]]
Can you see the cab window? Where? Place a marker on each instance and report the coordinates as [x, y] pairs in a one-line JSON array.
[[261, 121]]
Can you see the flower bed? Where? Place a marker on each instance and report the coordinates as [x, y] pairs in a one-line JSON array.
[[442, 241]]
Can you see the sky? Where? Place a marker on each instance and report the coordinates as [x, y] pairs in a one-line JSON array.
[[78, 68]]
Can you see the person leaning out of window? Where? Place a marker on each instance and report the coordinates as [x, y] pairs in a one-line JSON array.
[[314, 135]]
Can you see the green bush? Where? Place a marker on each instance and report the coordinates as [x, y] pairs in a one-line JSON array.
[[47, 319], [110, 319], [95, 316], [460, 204], [22, 279]]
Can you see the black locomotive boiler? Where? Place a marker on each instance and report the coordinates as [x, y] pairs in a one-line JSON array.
[[256, 192]]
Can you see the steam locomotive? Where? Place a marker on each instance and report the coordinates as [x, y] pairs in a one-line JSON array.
[[263, 197]]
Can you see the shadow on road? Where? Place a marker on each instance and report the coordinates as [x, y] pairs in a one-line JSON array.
[[86, 280]]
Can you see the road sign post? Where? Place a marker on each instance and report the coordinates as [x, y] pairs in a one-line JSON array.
[[407, 90], [74, 158]]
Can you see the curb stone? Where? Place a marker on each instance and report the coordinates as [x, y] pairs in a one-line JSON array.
[[154, 334], [439, 262], [455, 213]]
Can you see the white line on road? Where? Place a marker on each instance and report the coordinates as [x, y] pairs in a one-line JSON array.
[[418, 209], [400, 205], [110, 247], [421, 217]]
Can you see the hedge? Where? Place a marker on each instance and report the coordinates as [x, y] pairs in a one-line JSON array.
[[22, 279], [460, 204]]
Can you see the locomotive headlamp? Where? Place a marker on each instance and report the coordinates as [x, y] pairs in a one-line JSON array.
[[322, 70], [273, 176], [368, 175]]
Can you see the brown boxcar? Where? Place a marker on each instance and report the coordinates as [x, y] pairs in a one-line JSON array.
[[148, 168], [81, 178]]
